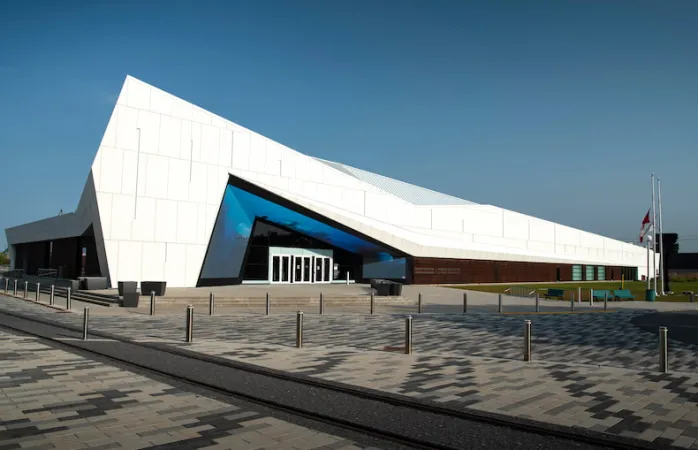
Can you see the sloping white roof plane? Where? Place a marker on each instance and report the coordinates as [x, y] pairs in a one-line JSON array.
[[406, 191], [158, 178]]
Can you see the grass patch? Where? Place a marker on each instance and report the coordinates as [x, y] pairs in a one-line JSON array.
[[636, 287]]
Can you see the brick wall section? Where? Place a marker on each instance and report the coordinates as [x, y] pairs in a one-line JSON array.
[[442, 270]]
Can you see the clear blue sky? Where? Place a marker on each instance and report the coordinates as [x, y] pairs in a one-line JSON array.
[[557, 109]]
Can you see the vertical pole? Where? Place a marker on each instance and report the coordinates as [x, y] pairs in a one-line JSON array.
[[373, 302], [663, 351], [26, 288], [268, 305], [605, 301], [51, 300], [527, 340], [649, 238], [15, 289], [67, 300], [38, 291], [591, 297], [211, 304], [299, 329], [322, 304], [654, 233], [537, 301], [419, 303], [661, 241], [85, 320], [572, 302], [465, 302], [500, 308], [579, 294], [347, 277], [152, 303], [7, 284], [408, 335], [693, 297], [190, 324]]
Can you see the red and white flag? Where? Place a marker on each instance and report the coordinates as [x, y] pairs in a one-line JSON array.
[[646, 227]]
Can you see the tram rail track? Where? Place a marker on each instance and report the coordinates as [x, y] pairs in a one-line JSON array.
[[465, 426]]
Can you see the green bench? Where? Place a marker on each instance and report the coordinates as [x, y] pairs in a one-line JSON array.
[[622, 294], [601, 293], [555, 293]]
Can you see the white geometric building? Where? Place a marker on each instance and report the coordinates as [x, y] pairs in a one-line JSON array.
[[178, 194]]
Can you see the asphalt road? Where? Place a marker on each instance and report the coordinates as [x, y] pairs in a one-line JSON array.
[[682, 326], [437, 430]]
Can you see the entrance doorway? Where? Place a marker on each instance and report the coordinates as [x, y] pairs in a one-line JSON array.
[[305, 267]]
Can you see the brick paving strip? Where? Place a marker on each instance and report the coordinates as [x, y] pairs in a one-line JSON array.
[[50, 398], [463, 364]]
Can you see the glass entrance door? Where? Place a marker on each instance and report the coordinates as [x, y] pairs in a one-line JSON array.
[[280, 269], [302, 268]]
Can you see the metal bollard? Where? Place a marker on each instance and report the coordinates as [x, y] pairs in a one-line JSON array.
[[268, 305], [419, 304], [85, 320], [347, 277], [591, 297], [537, 302], [527, 340], [152, 303], [67, 300], [211, 304], [500, 308], [26, 289], [38, 292], [51, 299], [299, 329], [663, 350], [190, 324], [7, 284], [408, 335], [322, 303], [692, 297], [579, 294], [572, 302], [605, 301], [373, 302], [15, 290], [465, 302]]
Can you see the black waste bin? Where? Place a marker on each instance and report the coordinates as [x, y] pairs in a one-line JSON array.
[[153, 286], [382, 287], [395, 289], [127, 286], [130, 300]]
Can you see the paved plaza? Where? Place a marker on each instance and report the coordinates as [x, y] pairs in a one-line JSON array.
[[597, 370], [55, 399]]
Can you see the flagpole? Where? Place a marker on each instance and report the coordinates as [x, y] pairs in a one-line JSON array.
[[661, 231], [654, 228], [649, 238]]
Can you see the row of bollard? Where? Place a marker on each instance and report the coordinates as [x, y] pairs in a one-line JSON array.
[[527, 348], [372, 303], [37, 293], [500, 302], [527, 335]]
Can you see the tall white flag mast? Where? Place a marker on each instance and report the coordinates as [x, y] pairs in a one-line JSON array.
[[661, 241], [654, 228]]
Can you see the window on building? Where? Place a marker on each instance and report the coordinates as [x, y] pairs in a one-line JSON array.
[[577, 272], [601, 273], [589, 273]]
